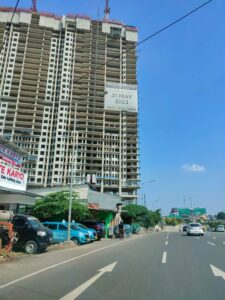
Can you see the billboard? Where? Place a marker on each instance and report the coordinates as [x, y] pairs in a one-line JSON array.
[[121, 97], [10, 156], [12, 178]]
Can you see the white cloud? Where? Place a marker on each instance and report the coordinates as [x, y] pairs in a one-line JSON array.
[[194, 168]]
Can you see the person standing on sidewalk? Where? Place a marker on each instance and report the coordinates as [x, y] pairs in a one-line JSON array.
[[121, 230]]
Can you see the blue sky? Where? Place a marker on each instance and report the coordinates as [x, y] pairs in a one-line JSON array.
[[181, 75]]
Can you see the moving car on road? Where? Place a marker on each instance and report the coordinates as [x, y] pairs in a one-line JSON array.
[[195, 229], [185, 227], [220, 228]]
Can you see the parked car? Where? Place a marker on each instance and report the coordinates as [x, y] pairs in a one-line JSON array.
[[195, 229], [220, 228], [127, 230], [92, 232], [30, 234], [135, 228], [60, 233], [97, 225]]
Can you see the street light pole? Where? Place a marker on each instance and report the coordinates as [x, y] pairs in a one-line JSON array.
[[143, 201]]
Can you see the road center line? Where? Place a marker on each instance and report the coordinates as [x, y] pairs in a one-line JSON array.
[[213, 237], [224, 243], [211, 244], [167, 237], [166, 243], [197, 237], [164, 257]]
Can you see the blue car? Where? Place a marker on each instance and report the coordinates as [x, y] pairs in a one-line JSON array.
[[60, 229], [92, 233]]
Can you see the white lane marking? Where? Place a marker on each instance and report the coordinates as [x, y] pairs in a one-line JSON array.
[[224, 243], [197, 237], [80, 289], [217, 272], [62, 263], [211, 244], [164, 257], [166, 243], [167, 237], [213, 237]]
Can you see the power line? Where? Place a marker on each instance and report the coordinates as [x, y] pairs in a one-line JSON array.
[[147, 38], [10, 23]]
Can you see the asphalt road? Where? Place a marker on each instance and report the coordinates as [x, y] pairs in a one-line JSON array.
[[156, 266]]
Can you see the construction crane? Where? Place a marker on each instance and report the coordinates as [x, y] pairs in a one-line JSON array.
[[34, 6], [107, 10]]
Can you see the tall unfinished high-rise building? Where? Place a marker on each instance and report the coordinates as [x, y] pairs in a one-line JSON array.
[[68, 96]]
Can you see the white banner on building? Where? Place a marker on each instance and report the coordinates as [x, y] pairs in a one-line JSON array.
[[12, 178], [121, 97]]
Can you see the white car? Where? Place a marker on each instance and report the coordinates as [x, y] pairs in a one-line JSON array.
[[220, 228], [195, 229]]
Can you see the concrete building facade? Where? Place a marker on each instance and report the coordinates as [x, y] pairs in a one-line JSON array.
[[56, 76]]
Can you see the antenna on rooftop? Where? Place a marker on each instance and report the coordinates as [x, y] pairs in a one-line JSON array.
[[34, 6], [107, 10]]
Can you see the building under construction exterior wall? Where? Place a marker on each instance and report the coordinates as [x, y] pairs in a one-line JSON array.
[[68, 96]]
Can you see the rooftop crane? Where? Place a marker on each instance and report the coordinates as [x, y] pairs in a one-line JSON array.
[[107, 10], [34, 6]]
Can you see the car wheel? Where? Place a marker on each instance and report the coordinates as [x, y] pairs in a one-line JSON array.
[[31, 247], [76, 241]]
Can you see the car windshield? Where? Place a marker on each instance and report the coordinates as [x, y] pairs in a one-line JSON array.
[[195, 225], [35, 223]]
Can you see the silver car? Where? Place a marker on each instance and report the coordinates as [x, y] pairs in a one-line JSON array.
[[195, 229]]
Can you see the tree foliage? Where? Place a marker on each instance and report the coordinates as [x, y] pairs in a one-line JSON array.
[[56, 206], [134, 213], [221, 215], [171, 221]]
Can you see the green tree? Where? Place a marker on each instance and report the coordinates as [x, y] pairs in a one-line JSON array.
[[134, 213], [221, 215], [56, 205], [171, 221]]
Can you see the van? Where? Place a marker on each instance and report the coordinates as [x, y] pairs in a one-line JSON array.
[[30, 234]]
